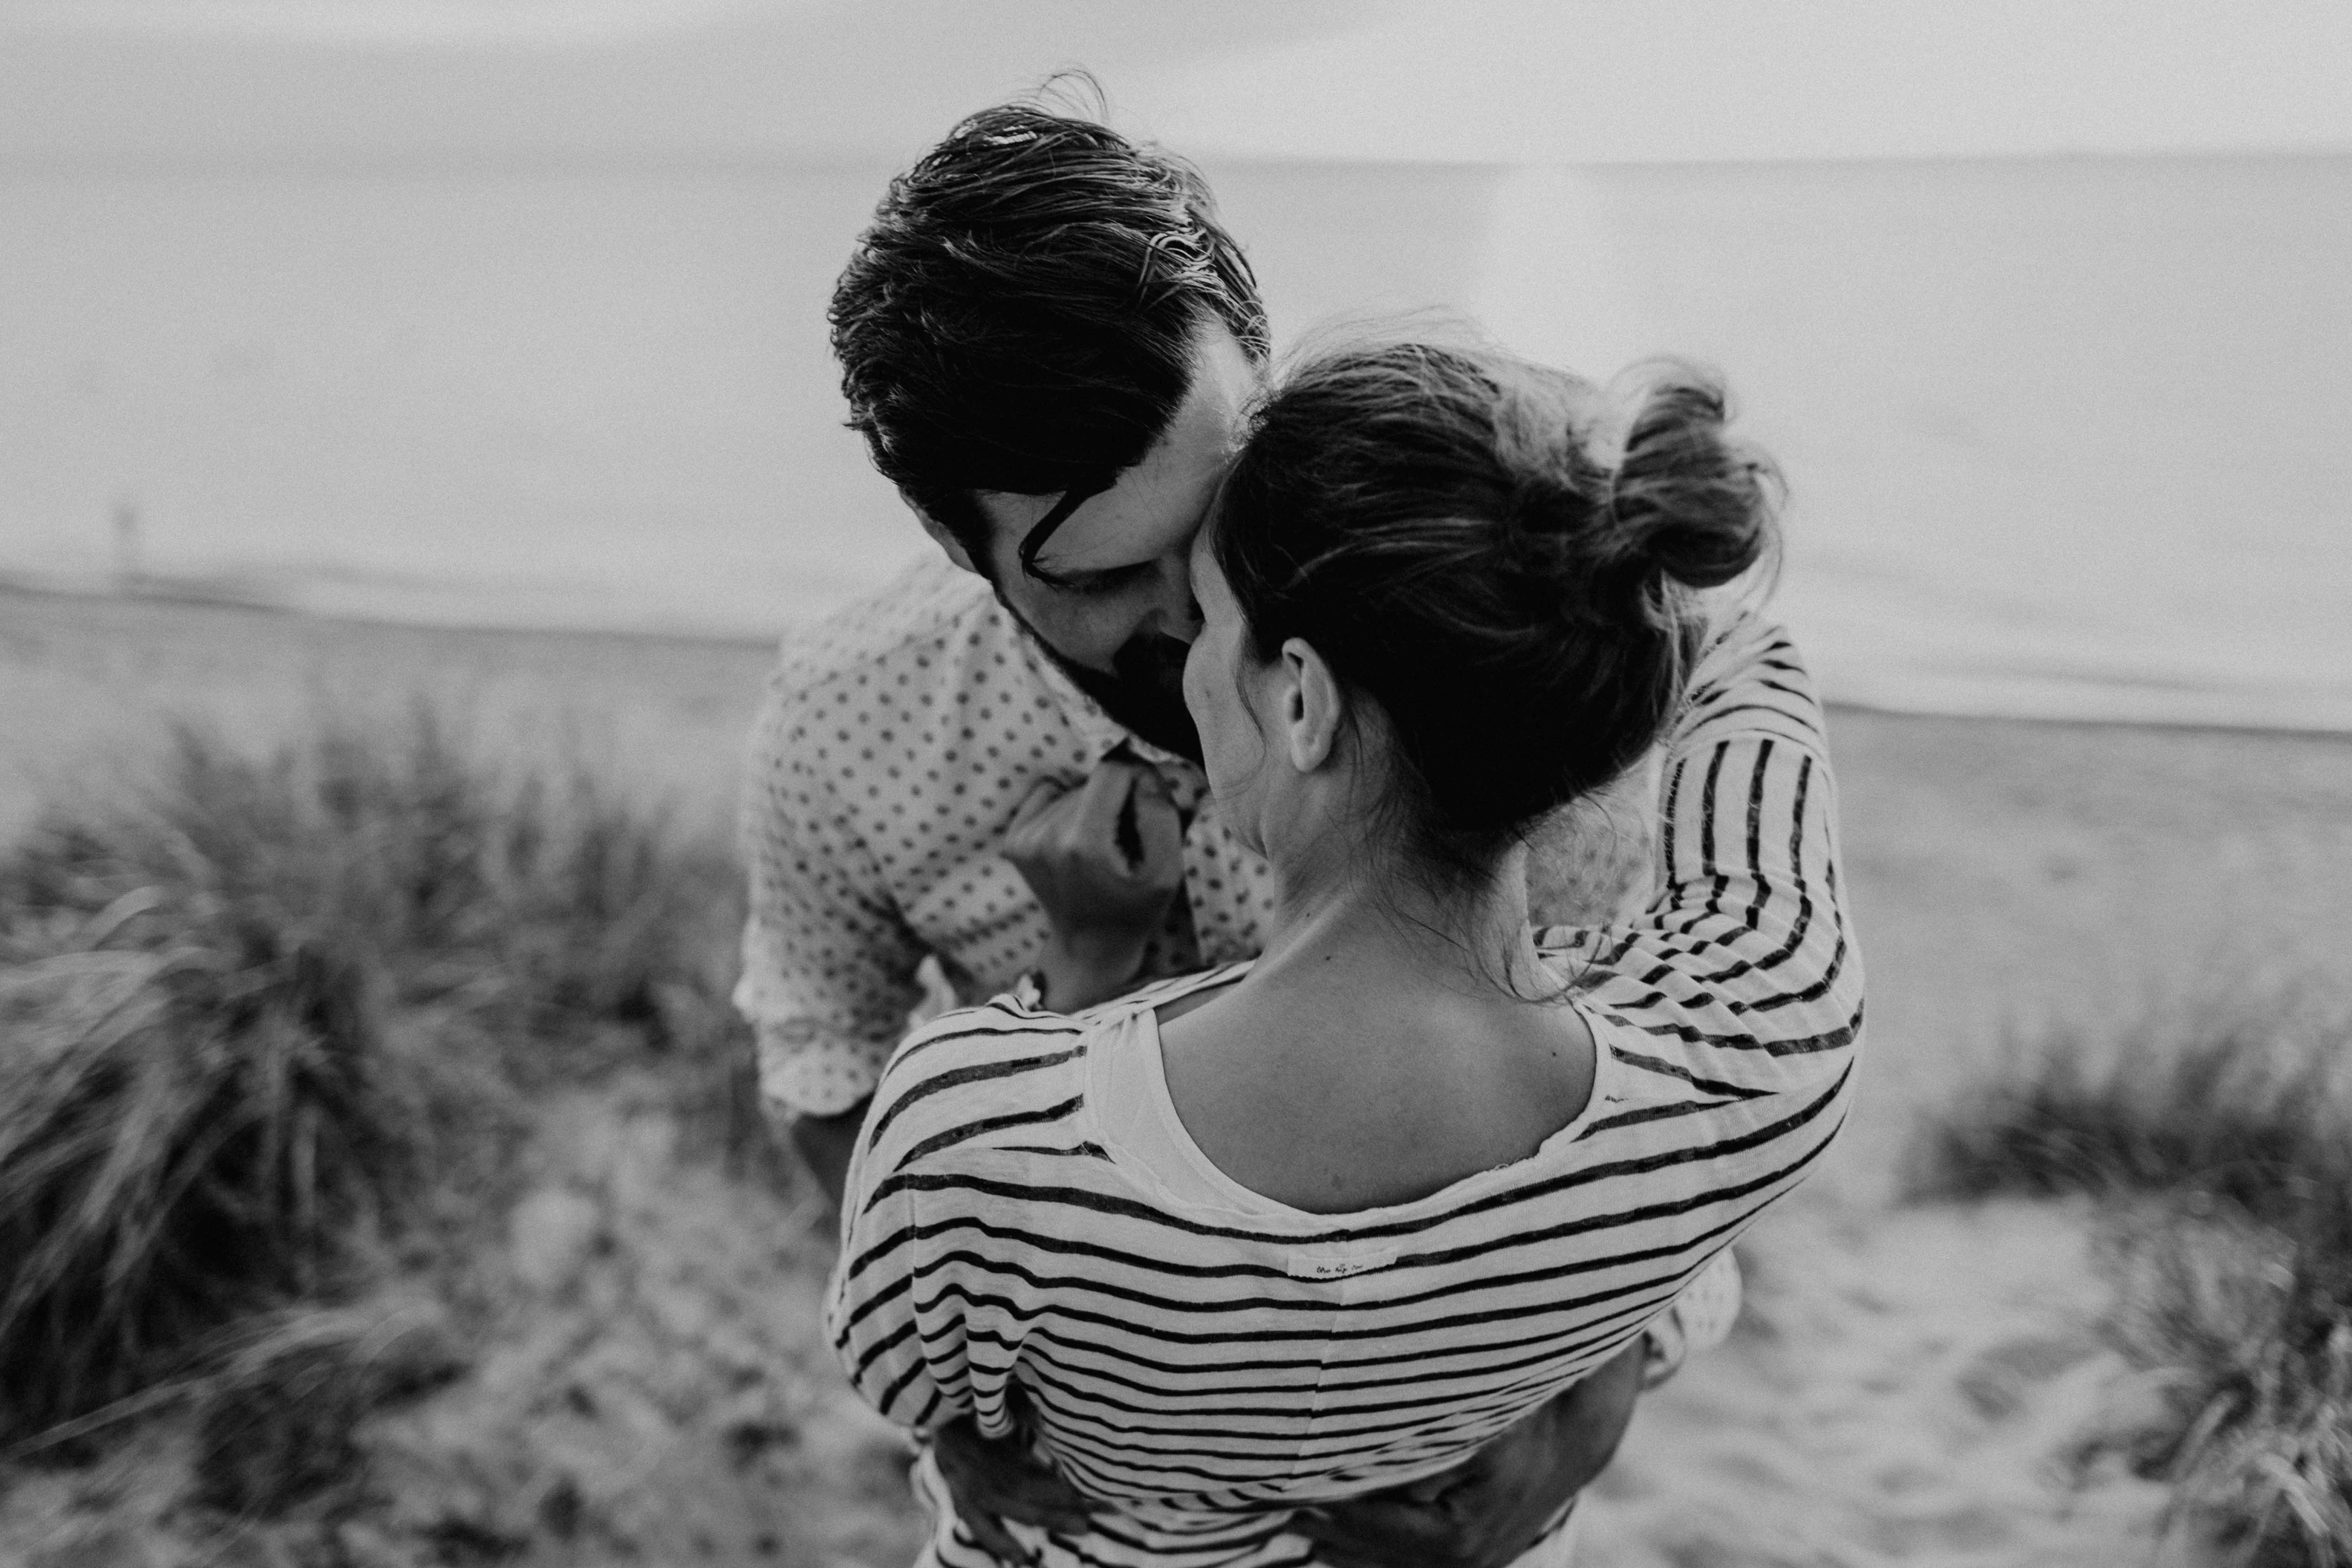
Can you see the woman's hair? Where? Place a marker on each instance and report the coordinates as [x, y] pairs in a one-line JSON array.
[[1500, 556]]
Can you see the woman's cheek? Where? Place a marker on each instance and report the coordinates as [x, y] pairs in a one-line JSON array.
[[1208, 690], [1192, 685]]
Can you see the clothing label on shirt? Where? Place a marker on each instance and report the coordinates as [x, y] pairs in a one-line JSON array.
[[1337, 1263]]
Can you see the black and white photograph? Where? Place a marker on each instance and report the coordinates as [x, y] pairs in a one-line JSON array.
[[1314, 783]]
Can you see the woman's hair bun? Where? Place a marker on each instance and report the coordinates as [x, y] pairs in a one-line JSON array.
[[1499, 555], [1688, 500]]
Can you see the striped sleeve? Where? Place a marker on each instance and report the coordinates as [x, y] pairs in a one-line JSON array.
[[910, 1370], [928, 1332], [1742, 975]]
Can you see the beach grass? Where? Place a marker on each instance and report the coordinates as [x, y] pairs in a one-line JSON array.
[[2218, 1143], [2245, 1102], [674, 1393], [266, 1014], [2248, 1333]]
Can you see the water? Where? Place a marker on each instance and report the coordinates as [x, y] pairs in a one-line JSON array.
[[2065, 436]]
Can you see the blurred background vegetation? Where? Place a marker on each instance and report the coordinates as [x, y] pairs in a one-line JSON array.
[[2217, 1140], [286, 1022]]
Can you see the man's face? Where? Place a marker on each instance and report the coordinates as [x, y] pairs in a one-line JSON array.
[[1119, 611]]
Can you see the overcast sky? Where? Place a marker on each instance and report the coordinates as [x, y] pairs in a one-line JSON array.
[[113, 82], [514, 309]]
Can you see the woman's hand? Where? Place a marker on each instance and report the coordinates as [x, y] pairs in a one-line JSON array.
[[1496, 1504], [1104, 860]]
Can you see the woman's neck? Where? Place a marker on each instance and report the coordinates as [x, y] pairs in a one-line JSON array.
[[1347, 912], [1383, 1047]]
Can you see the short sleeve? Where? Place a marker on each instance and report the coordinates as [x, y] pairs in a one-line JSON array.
[[901, 1348], [829, 965], [923, 1312]]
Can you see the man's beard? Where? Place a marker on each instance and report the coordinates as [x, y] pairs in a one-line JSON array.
[[1145, 693]]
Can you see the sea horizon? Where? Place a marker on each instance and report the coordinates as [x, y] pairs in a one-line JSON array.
[[2065, 437], [2055, 695]]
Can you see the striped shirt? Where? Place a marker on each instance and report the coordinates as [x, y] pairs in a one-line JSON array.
[[1204, 1368]]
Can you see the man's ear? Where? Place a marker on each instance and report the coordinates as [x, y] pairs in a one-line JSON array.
[[1314, 706], [944, 539]]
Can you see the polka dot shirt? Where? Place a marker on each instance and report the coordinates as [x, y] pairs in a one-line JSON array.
[[896, 740]]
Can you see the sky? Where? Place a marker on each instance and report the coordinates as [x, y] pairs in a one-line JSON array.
[[90, 82], [509, 310]]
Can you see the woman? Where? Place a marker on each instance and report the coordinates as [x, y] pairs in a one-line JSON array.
[[1322, 1224]]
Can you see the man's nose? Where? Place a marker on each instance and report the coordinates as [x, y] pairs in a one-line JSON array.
[[1187, 625], [1178, 613]]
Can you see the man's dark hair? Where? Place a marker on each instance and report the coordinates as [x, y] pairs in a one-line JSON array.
[[1020, 315]]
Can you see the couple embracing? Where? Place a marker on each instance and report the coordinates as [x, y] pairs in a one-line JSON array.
[[1297, 1191]]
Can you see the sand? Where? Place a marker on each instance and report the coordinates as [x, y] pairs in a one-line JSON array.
[[86, 685], [1913, 1383]]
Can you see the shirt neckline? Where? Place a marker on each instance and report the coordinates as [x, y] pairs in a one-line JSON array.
[[1136, 1027]]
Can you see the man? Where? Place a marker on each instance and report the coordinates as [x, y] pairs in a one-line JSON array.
[[1050, 346]]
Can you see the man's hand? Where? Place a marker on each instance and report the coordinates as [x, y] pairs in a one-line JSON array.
[[993, 1481], [824, 1144], [1104, 860], [1494, 1505]]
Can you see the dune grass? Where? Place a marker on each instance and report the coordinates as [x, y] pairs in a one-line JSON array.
[[260, 1012], [2250, 1332], [2246, 1102], [2220, 1142], [533, 898]]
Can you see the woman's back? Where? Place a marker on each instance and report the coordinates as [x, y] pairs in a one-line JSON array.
[[1205, 1366], [1354, 1079]]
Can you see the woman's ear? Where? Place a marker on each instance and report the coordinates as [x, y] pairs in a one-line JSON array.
[[1314, 706]]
